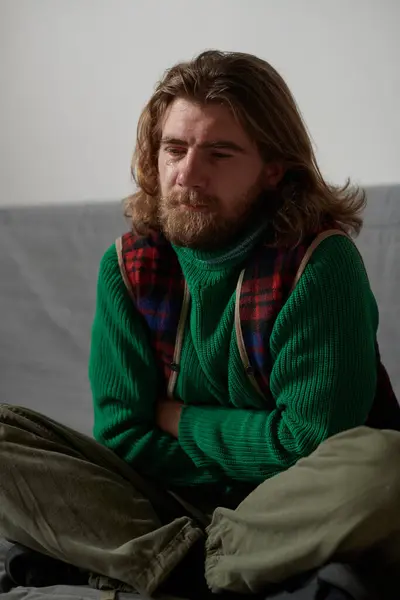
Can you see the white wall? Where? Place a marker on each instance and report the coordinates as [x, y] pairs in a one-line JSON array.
[[74, 75]]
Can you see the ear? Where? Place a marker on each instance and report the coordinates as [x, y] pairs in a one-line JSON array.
[[273, 173]]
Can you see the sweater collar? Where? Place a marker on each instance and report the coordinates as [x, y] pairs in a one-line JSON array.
[[225, 258]]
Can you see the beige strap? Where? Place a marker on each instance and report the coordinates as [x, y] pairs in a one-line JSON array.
[[239, 337], [178, 342], [311, 249], [124, 275], [238, 328]]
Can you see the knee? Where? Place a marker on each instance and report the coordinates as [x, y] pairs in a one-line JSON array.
[[370, 459], [384, 458], [5, 411], [385, 446], [376, 448], [8, 419], [4, 420]]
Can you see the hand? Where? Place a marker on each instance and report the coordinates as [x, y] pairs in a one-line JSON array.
[[168, 415]]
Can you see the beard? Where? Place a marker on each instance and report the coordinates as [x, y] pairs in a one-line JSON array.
[[208, 228]]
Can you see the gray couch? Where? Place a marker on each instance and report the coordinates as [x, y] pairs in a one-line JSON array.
[[49, 258]]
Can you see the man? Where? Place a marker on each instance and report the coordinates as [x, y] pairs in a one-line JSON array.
[[234, 362]]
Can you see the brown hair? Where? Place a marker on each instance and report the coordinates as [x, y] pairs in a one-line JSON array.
[[262, 102]]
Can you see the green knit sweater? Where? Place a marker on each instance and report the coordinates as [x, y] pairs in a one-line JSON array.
[[323, 378]]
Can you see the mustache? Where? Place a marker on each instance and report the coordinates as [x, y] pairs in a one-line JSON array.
[[176, 199]]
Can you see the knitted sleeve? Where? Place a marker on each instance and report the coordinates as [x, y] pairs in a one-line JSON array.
[[123, 380], [323, 378]]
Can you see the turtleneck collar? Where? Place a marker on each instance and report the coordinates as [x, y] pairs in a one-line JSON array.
[[224, 259]]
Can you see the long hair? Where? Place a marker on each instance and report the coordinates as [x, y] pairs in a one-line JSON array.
[[263, 104]]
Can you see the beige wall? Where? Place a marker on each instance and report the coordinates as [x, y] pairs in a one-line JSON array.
[[74, 75]]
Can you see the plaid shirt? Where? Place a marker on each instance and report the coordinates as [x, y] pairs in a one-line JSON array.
[[157, 287], [267, 283], [157, 283]]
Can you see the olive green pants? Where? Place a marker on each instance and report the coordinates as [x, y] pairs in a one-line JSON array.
[[63, 494]]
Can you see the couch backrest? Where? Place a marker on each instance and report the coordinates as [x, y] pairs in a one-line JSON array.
[[379, 244], [49, 258]]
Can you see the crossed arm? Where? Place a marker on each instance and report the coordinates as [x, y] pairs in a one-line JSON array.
[[323, 381]]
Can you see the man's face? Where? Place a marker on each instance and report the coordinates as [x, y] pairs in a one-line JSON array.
[[210, 174]]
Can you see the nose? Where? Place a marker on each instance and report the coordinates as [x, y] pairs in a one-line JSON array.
[[191, 171]]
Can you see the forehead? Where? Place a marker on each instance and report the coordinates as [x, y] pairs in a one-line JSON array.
[[198, 123]]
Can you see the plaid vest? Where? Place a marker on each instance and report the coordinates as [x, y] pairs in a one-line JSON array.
[[154, 279]]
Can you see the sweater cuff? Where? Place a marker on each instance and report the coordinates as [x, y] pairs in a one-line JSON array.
[[230, 438]]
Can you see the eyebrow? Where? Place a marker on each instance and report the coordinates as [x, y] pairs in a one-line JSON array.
[[217, 144]]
